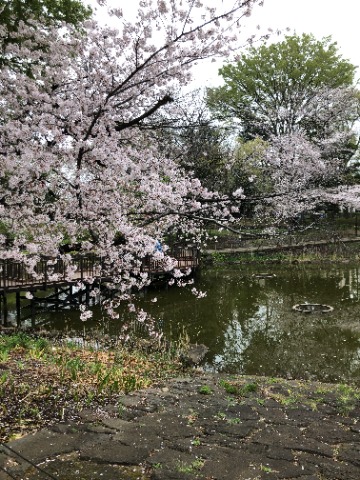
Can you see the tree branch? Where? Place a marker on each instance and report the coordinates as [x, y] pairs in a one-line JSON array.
[[135, 121]]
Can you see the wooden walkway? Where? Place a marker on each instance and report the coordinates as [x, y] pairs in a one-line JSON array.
[[50, 272]]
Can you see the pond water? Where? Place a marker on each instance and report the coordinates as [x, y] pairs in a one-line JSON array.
[[248, 323]]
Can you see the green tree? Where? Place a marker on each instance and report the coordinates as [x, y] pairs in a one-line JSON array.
[[248, 170], [199, 145], [204, 152], [273, 89]]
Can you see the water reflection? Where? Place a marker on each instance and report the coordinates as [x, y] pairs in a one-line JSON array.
[[248, 323], [250, 328]]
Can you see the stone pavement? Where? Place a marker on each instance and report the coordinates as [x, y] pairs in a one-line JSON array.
[[205, 427]]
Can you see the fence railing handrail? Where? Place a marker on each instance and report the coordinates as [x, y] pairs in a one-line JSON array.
[[47, 270], [52, 270]]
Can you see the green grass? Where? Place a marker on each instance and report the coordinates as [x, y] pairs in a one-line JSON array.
[[41, 380], [249, 388], [266, 469], [196, 442], [191, 468], [23, 341], [205, 390], [229, 387], [347, 398]]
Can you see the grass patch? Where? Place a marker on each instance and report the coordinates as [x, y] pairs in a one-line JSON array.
[[205, 390], [229, 387], [266, 469], [193, 467], [296, 394], [42, 383], [347, 398], [249, 388]]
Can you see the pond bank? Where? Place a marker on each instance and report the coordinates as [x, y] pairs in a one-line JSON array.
[[202, 426], [329, 250], [282, 245]]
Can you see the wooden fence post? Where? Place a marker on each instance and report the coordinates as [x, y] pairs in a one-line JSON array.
[[18, 308], [5, 310]]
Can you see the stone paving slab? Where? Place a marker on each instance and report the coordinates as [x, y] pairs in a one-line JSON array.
[[176, 432]]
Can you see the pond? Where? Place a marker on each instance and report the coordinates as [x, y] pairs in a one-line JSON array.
[[248, 322]]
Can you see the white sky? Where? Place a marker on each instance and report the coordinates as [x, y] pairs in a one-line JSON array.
[[340, 19]]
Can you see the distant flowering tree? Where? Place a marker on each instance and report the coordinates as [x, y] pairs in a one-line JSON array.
[[297, 97], [78, 162], [306, 167]]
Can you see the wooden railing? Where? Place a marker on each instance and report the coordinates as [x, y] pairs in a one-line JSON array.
[[14, 275], [47, 272], [186, 257]]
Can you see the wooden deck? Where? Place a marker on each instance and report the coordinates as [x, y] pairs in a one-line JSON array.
[[186, 258], [48, 273], [52, 273]]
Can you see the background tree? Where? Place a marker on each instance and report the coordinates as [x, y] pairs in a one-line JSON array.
[[195, 141], [297, 95], [49, 12], [248, 168], [273, 89]]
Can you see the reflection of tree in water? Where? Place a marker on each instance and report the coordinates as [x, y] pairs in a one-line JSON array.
[[261, 335], [244, 329], [230, 299], [311, 283], [349, 285], [249, 326], [316, 351], [206, 320]]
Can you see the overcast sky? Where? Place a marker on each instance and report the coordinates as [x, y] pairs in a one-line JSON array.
[[340, 19]]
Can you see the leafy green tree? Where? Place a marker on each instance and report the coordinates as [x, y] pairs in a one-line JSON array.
[[273, 89], [205, 155], [248, 169]]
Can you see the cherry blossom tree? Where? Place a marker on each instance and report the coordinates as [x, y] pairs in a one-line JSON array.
[[307, 166], [19, 22], [79, 164]]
